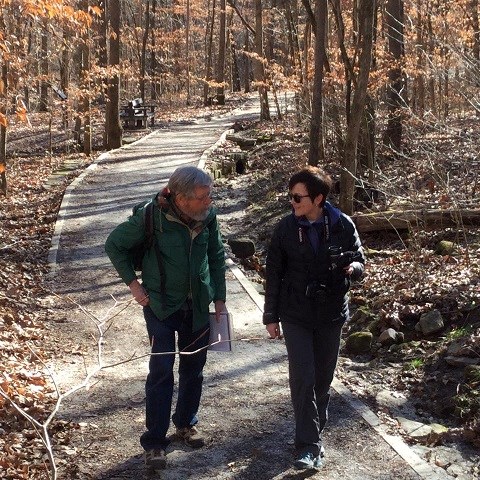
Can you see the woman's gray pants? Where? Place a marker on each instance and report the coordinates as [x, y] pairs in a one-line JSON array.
[[312, 357]]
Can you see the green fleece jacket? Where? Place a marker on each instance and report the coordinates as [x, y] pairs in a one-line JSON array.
[[193, 258]]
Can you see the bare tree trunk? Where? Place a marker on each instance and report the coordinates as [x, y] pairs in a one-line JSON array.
[[114, 134], [220, 70], [419, 96], [349, 164], [476, 30], [307, 99], [236, 85], [3, 130], [87, 129], [258, 65], [247, 62], [143, 56], [317, 151], [43, 107], [153, 55], [395, 94], [187, 49], [209, 44], [431, 52]]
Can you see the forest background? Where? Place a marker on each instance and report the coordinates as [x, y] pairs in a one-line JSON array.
[[386, 97]]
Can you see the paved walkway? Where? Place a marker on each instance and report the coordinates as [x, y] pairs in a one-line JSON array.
[[246, 408]]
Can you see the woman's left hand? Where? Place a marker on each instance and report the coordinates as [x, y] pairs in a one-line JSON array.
[[348, 270]]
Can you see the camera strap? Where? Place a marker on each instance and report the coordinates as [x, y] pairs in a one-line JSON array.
[[326, 225]]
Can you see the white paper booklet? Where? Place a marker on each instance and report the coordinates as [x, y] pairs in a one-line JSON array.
[[221, 332]]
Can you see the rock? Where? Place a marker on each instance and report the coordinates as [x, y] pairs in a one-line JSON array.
[[472, 373], [430, 322], [359, 342], [242, 247], [243, 142], [435, 437], [240, 160], [363, 316], [462, 361], [444, 247], [391, 400], [455, 348], [413, 429], [389, 337]]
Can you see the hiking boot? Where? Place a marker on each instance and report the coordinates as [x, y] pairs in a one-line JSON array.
[[307, 461], [190, 436], [155, 458]]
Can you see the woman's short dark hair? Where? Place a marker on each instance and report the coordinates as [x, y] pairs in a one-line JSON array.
[[316, 182]]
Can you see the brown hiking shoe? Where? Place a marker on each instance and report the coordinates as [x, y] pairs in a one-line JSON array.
[[190, 436], [155, 459]]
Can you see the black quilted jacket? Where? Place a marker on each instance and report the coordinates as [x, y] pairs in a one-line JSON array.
[[292, 265]]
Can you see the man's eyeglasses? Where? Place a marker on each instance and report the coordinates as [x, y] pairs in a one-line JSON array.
[[296, 197], [203, 197]]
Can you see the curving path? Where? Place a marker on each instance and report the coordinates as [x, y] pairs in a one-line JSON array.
[[246, 408]]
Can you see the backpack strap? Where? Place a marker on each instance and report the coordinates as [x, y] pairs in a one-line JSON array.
[[149, 222]]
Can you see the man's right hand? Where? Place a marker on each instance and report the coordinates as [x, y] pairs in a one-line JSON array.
[[273, 330], [139, 293]]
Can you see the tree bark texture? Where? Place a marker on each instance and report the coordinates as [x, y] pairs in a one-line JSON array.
[[209, 44], [258, 65], [395, 93], [349, 163], [43, 107], [3, 130], [114, 129], [220, 70], [413, 219], [143, 57], [316, 152]]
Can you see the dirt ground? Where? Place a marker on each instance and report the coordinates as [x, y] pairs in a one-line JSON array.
[[245, 411]]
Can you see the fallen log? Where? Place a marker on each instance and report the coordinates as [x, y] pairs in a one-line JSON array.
[[414, 219]]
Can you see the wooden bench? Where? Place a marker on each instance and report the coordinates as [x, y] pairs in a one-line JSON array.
[[136, 114]]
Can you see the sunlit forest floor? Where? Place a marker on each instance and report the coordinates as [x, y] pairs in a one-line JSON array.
[[405, 276]]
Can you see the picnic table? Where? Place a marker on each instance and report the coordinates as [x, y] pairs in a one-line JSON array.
[[136, 114]]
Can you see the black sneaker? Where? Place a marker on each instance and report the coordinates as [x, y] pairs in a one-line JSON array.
[[155, 458]]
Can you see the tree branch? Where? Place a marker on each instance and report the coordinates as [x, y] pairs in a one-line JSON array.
[[242, 19]]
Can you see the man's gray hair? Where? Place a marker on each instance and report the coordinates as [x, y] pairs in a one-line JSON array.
[[184, 180]]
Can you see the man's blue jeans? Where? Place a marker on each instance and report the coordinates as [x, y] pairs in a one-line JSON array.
[[159, 384]]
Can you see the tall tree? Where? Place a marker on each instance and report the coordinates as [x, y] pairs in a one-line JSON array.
[[317, 151], [114, 129], [347, 179], [3, 127], [143, 58], [258, 67], [44, 70], [153, 54], [220, 71], [209, 53], [396, 87]]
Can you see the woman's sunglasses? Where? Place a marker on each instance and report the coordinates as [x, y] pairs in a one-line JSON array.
[[296, 197]]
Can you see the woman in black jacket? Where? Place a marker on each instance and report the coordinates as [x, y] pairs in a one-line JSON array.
[[314, 254]]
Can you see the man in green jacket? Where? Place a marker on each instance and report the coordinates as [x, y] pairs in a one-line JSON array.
[[175, 294]]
